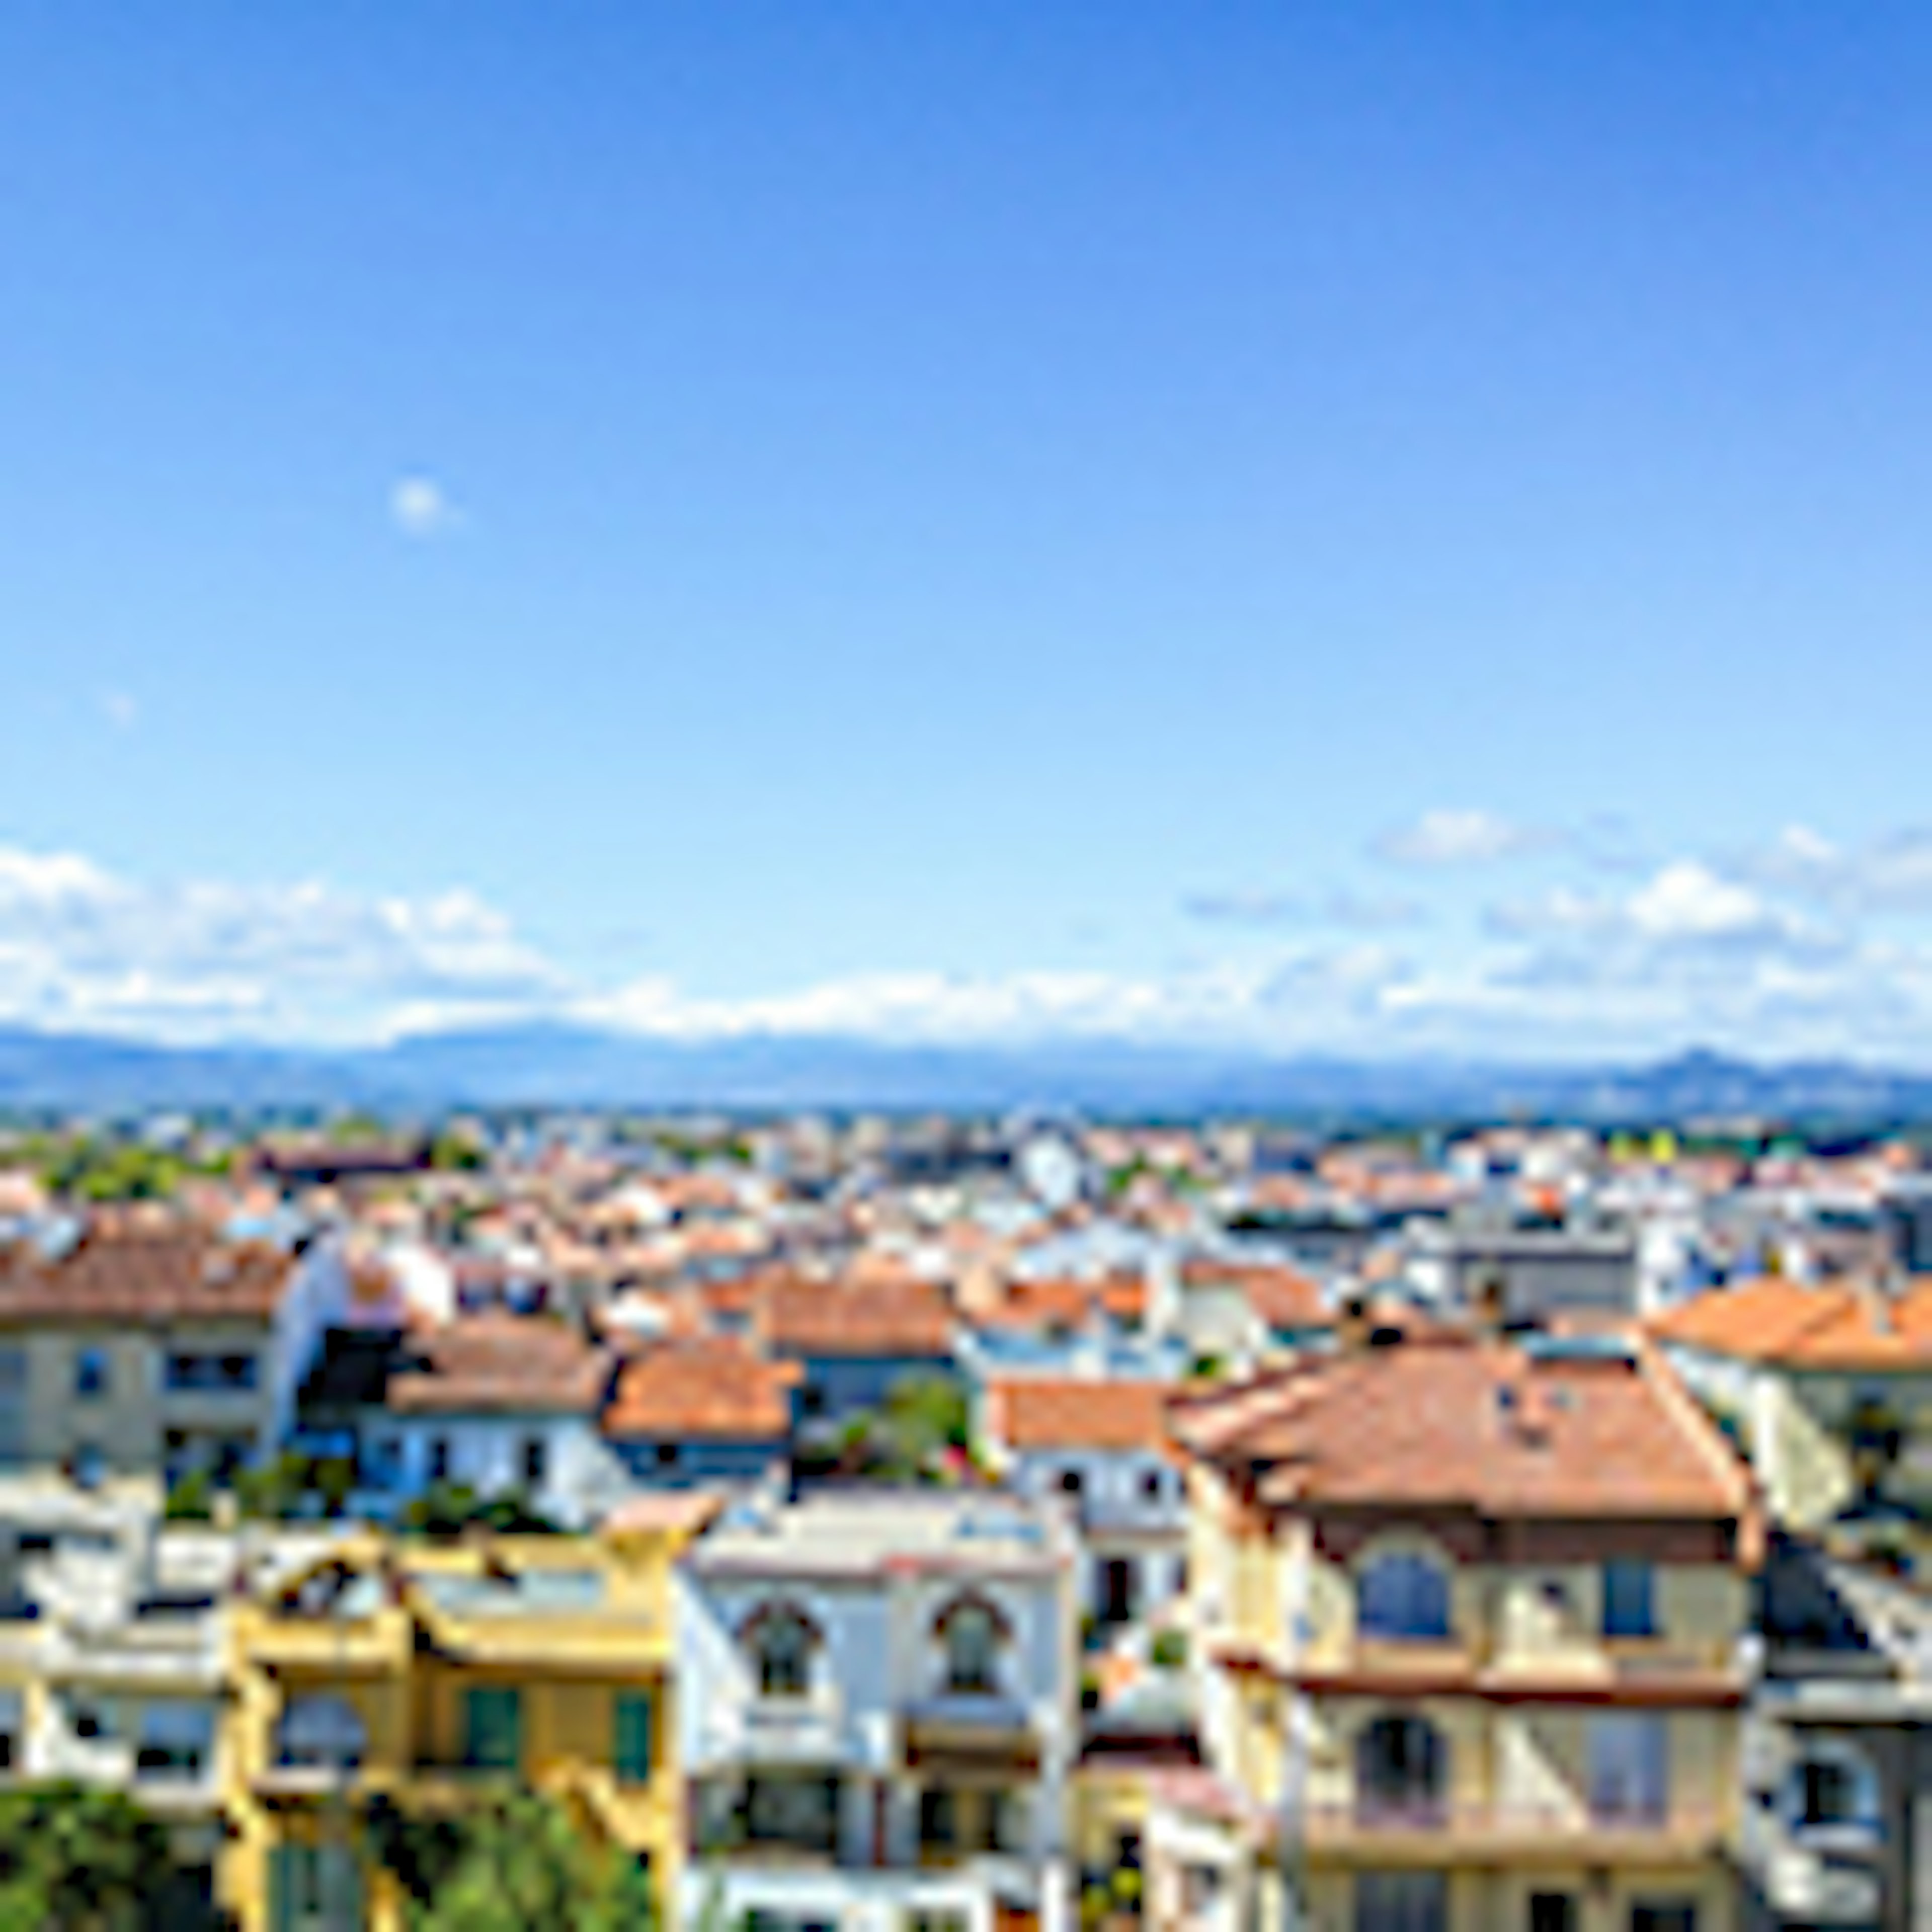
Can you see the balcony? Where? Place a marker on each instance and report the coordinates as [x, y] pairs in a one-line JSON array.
[[966, 1731], [1452, 1833], [815, 1730]]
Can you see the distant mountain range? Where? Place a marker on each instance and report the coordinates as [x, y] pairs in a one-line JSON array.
[[563, 1065]]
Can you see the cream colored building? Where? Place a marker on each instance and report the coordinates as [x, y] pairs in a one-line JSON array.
[[1468, 1624]]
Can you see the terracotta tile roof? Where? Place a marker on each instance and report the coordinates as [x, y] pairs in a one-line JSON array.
[[144, 1274], [1475, 1424], [1845, 1325], [1069, 1302], [798, 1317], [496, 1361], [1052, 1412], [1282, 1297], [712, 1386]]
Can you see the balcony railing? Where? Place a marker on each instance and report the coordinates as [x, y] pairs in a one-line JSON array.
[[1442, 1831]]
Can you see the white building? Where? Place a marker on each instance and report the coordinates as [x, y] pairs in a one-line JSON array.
[[878, 1711]]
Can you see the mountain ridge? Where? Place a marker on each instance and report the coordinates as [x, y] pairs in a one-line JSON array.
[[563, 1064]]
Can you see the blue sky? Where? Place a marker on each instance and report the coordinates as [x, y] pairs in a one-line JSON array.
[[1377, 528]]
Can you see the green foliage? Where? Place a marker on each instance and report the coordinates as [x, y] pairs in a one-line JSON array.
[[446, 1510], [76, 1860], [455, 1153], [516, 1865], [1168, 1651], [191, 1499]]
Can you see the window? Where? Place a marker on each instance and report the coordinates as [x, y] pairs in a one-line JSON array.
[[175, 1741], [667, 1455], [787, 1808], [313, 1888], [938, 1817], [320, 1733], [536, 1461], [1404, 1596], [782, 1642], [493, 1724], [1153, 1486], [633, 1749], [1630, 1765], [439, 1458], [187, 1373], [972, 1635], [1407, 1901], [1114, 1578], [1675, 1915], [1629, 1599], [90, 1372], [1551, 1911], [87, 1466], [1833, 1790], [1070, 1481], [1401, 1769]]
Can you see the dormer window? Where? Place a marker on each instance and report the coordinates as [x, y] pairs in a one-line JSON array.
[[781, 1641]]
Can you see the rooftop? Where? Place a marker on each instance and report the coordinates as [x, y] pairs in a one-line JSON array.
[[1465, 1423]]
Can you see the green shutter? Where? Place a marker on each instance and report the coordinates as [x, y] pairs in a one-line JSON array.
[[493, 1728], [635, 1752]]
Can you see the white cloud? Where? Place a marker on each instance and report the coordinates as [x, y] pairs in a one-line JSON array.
[[420, 507], [81, 947], [1361, 912], [121, 709], [1890, 874], [1460, 836]]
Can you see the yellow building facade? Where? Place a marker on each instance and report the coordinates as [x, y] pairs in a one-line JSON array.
[[392, 1684], [1460, 1715]]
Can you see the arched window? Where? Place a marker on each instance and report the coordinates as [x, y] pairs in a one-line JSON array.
[[1834, 1789], [320, 1733], [1401, 1767], [781, 1641], [972, 1632], [1403, 1595]]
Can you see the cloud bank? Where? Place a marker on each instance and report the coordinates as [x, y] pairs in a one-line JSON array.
[[1801, 945]]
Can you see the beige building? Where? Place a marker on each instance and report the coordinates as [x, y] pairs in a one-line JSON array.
[[140, 1351], [1468, 1615]]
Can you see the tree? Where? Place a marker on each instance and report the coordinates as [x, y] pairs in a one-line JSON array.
[[77, 1860], [522, 1867]]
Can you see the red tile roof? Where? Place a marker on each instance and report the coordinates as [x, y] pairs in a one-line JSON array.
[[1053, 1412], [146, 1276], [517, 1362], [1849, 1326], [713, 1386], [1471, 1423]]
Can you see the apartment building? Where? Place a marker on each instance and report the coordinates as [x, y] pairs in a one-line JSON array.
[[1839, 1758], [392, 1680], [1468, 1621], [110, 1664], [146, 1351], [878, 1711], [1827, 1386], [498, 1404], [1101, 1449]]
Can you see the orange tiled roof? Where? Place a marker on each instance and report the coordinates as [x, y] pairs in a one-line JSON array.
[[834, 1317], [1844, 1325], [1471, 1423], [1069, 1302], [1053, 1412], [499, 1361], [140, 1273], [713, 1386], [1281, 1297]]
